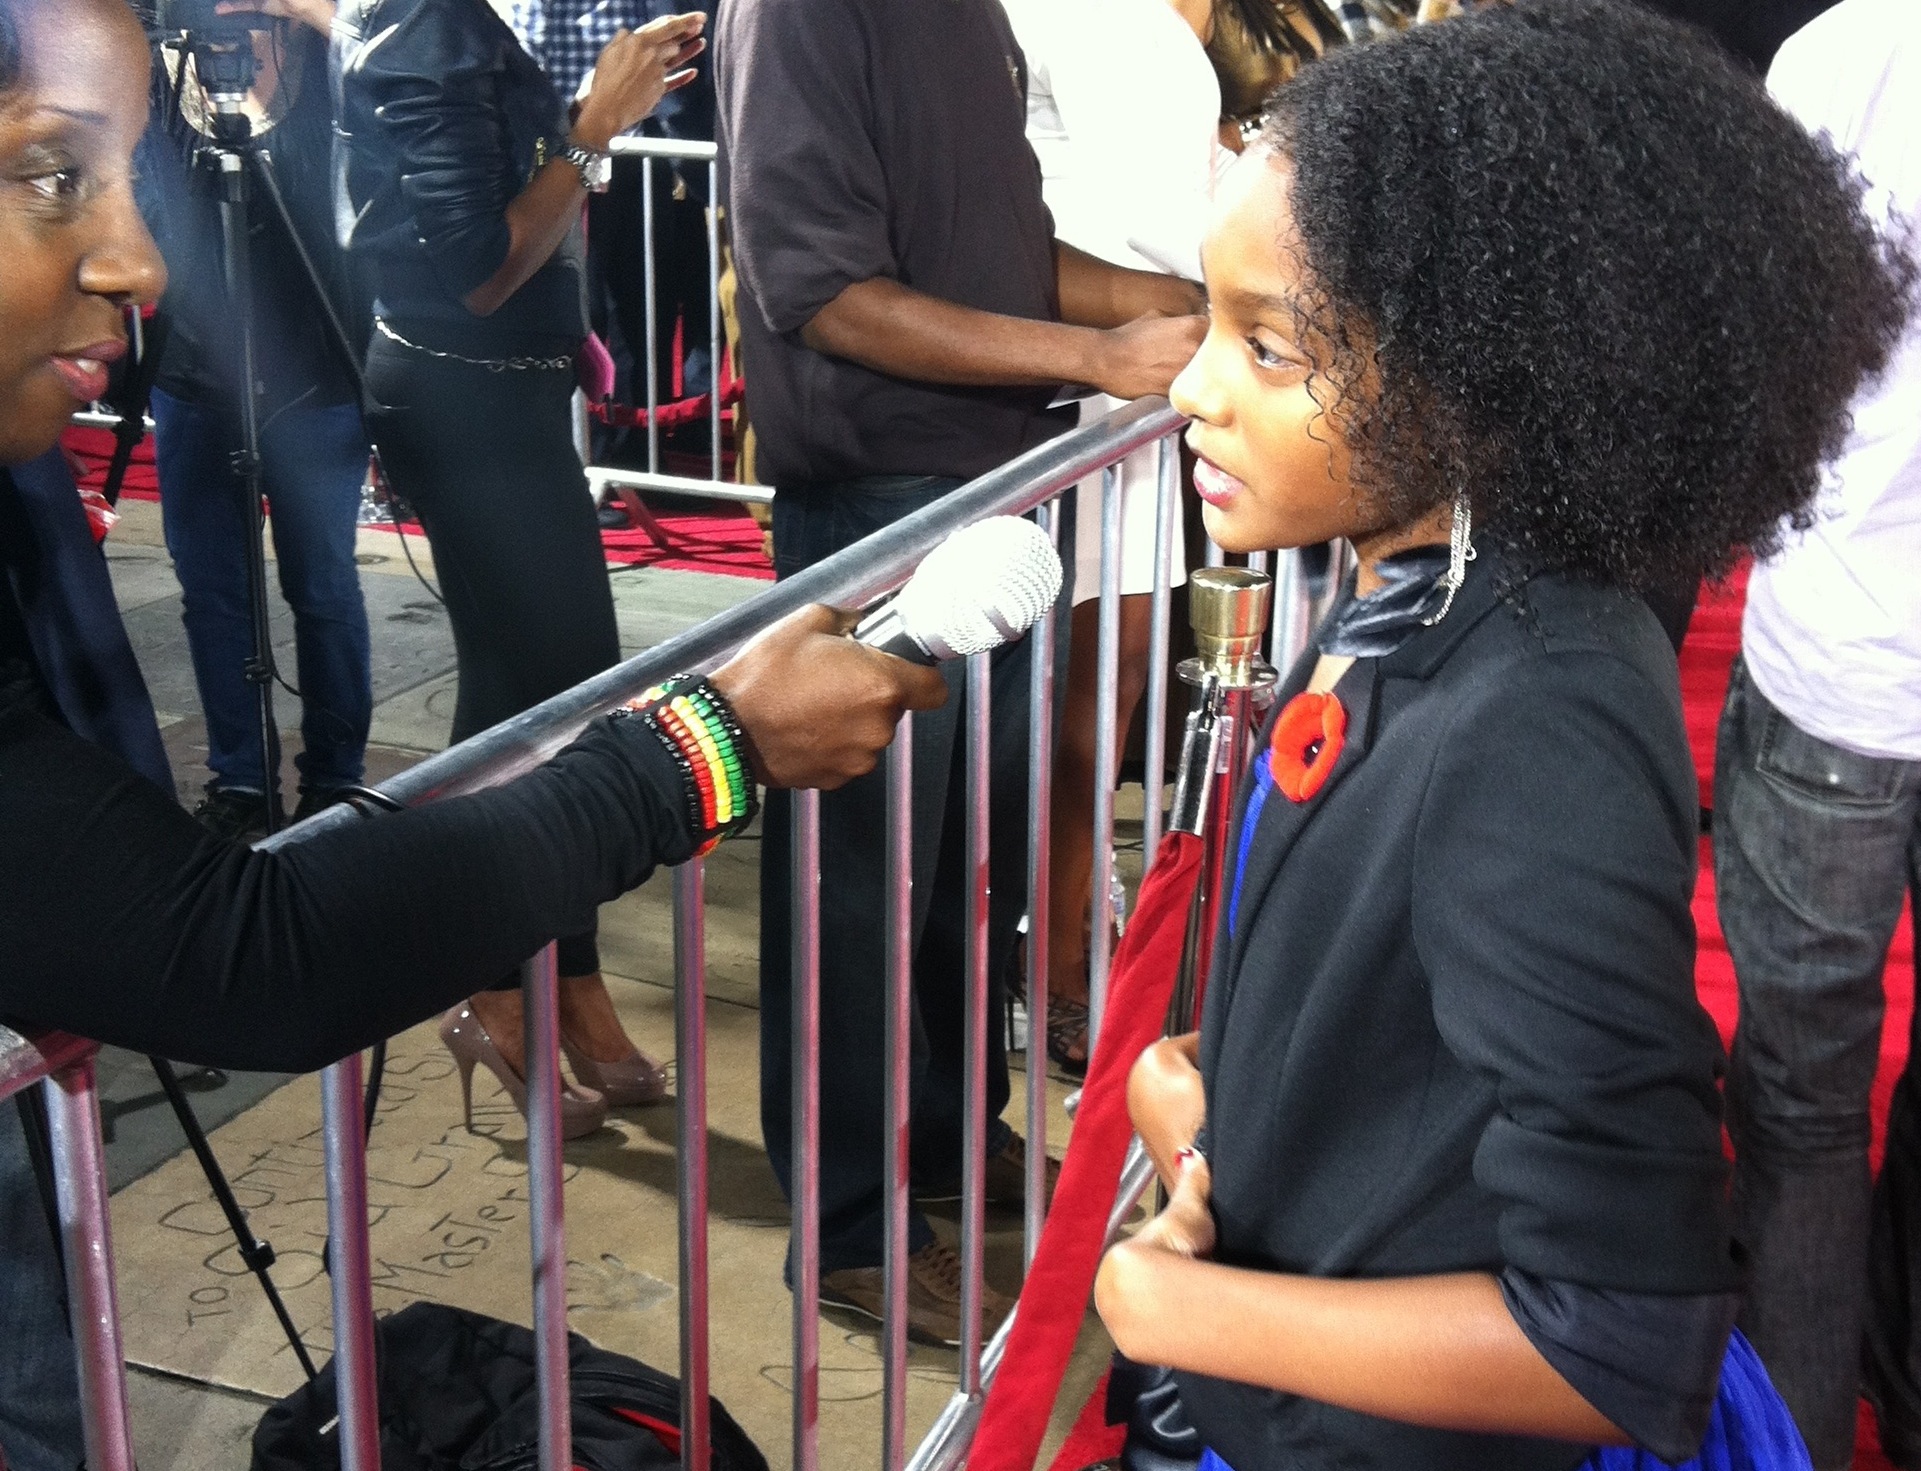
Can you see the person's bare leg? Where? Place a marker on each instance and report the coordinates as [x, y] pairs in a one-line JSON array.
[[500, 1016], [589, 1022], [587, 1019], [1071, 854]]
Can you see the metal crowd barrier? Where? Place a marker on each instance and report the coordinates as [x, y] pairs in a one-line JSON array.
[[1032, 483], [63, 1067], [652, 152]]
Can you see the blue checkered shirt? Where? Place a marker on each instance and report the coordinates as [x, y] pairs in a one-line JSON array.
[[566, 36]]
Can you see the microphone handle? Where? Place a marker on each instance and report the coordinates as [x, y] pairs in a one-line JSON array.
[[884, 629]]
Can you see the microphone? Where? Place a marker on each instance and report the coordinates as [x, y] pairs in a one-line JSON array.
[[985, 585]]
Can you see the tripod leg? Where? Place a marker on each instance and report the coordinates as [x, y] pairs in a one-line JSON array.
[[255, 1253]]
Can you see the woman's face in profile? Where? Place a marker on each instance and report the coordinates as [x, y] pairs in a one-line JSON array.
[[73, 250]]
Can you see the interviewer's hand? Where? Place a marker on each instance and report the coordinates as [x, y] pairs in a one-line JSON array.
[[1147, 355], [635, 70], [817, 707]]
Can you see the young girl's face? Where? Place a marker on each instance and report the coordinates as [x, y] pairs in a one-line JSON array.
[[1273, 468]]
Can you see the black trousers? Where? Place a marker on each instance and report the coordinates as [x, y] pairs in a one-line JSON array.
[[487, 461]]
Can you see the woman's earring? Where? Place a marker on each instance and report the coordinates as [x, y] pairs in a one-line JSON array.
[[1460, 551]]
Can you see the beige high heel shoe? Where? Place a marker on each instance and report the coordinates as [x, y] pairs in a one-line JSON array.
[[629, 1083], [581, 1109]]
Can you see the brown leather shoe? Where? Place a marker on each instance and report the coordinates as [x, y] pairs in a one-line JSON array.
[[933, 1296], [1006, 1179]]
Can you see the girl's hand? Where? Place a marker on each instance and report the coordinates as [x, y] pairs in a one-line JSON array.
[[316, 13], [635, 70], [1133, 1289], [1186, 1227], [1167, 1101]]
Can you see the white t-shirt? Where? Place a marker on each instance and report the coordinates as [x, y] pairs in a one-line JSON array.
[[1123, 110], [1832, 633]]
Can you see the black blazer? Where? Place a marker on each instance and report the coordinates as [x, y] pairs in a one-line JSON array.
[[1455, 1025]]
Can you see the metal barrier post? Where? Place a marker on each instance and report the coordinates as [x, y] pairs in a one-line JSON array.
[[974, 1116], [1159, 650], [716, 342], [349, 1260], [86, 1241], [805, 1027], [653, 310], [1293, 610], [540, 1000], [1106, 757], [1040, 842], [899, 1107], [690, 1088]]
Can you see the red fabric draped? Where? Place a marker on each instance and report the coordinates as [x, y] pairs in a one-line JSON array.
[[1054, 1300]]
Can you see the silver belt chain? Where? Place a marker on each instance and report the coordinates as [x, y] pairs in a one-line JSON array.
[[492, 365]]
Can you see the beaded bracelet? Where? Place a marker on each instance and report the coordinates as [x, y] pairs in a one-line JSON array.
[[700, 731]]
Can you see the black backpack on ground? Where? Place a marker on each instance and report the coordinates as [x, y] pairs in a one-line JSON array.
[[458, 1393]]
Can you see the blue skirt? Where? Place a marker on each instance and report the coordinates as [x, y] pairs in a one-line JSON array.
[[1750, 1429]]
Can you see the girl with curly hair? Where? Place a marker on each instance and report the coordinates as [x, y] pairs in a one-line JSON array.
[[1540, 308]]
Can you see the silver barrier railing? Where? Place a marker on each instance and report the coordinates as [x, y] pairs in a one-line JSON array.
[[1032, 483], [653, 152], [63, 1067]]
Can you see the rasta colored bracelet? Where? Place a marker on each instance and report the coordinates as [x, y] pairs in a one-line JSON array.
[[703, 736]]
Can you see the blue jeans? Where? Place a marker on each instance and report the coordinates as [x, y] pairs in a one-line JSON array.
[[39, 1386], [1814, 850], [810, 525], [314, 461]]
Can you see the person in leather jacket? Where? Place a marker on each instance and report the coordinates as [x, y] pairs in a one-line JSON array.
[[459, 187]]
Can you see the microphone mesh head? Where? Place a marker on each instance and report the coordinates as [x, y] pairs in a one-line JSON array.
[[986, 584]]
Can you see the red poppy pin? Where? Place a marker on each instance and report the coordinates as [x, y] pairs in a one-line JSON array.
[[1307, 742]]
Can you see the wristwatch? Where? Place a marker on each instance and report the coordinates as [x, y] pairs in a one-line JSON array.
[[596, 168]]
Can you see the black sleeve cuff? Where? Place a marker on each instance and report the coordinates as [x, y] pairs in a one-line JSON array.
[[1651, 1364]]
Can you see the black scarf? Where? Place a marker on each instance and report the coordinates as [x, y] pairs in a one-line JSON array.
[[1412, 593]]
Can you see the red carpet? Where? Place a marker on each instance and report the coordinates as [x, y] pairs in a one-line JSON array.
[[723, 541], [1713, 641]]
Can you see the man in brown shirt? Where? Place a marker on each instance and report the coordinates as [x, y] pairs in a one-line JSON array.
[[906, 318]]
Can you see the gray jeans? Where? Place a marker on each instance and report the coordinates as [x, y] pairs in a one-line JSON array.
[[1814, 850]]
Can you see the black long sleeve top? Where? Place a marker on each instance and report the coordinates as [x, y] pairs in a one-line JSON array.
[[123, 920], [440, 119]]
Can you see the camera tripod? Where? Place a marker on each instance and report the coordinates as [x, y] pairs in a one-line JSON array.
[[224, 63]]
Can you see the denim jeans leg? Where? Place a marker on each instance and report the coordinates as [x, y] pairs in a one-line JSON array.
[[203, 515], [316, 461], [39, 1385], [1811, 866]]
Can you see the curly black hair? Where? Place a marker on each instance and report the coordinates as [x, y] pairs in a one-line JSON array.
[[1615, 296]]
